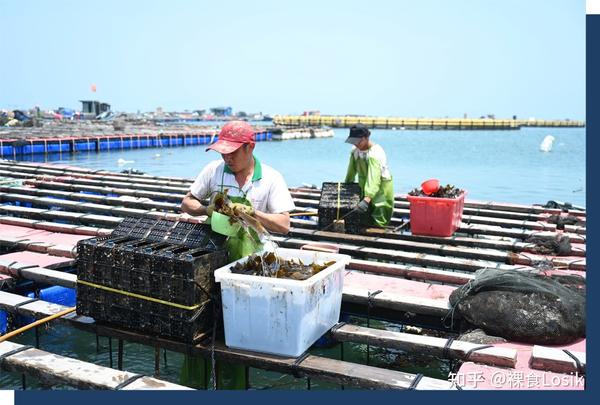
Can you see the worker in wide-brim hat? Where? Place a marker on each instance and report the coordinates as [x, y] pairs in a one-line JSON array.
[[369, 162]]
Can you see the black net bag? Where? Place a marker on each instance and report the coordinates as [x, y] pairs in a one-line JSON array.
[[523, 306]]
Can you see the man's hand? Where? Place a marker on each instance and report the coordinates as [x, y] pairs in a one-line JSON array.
[[239, 207], [362, 206], [210, 209]]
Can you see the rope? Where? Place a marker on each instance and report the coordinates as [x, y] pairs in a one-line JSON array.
[[580, 368], [29, 301], [415, 382], [18, 270], [473, 350], [3, 356], [296, 365], [144, 297], [128, 381], [338, 201], [446, 350]]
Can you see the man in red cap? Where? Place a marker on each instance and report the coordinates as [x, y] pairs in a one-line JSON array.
[[255, 188]]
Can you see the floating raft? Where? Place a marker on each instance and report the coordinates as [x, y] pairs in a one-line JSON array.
[[393, 275], [418, 123], [13, 147]]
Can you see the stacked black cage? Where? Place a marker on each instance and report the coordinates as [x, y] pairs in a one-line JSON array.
[[338, 200], [154, 276]]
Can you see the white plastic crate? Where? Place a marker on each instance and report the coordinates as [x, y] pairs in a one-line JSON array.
[[281, 316]]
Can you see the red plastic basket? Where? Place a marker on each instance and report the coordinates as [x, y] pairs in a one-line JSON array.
[[435, 216]]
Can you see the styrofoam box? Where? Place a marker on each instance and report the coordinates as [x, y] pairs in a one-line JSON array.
[[281, 316]]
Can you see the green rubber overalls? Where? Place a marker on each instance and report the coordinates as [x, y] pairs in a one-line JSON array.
[[374, 185], [229, 376]]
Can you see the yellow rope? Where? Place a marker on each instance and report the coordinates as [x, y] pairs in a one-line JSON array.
[[144, 297], [338, 202]]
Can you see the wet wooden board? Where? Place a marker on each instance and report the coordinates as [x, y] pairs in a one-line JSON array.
[[52, 369], [38, 259], [421, 259], [55, 226], [397, 294], [523, 376], [556, 360], [129, 202], [37, 273], [433, 346]]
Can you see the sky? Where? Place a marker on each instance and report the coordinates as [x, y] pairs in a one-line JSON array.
[[404, 58]]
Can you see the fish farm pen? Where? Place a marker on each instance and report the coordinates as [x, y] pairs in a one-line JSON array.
[[419, 123], [16, 143], [56, 221]]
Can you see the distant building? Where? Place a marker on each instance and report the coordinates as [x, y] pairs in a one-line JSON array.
[[222, 111], [91, 108], [313, 112]]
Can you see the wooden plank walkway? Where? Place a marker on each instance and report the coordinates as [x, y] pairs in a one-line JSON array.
[[415, 274], [52, 369], [350, 374]]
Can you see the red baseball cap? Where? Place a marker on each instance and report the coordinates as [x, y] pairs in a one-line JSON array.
[[233, 135]]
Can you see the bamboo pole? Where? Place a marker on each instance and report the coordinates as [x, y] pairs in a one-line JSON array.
[[39, 322]]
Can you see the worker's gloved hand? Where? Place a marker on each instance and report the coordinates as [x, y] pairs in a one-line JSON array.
[[362, 206], [210, 209], [239, 207]]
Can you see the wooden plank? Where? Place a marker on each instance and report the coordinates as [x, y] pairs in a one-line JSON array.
[[332, 370], [75, 187], [38, 274], [76, 217], [130, 202], [398, 302], [429, 345], [396, 244], [556, 360], [487, 230], [404, 257], [491, 205], [100, 175], [52, 369], [55, 226], [410, 272]]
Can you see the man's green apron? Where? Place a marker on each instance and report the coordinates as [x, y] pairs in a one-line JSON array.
[[245, 242], [380, 190]]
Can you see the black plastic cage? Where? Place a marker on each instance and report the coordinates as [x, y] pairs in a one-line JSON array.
[[337, 202], [171, 264]]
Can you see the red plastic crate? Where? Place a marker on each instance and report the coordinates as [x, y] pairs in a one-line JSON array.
[[435, 216]]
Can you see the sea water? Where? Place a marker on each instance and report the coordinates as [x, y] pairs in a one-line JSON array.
[[499, 165]]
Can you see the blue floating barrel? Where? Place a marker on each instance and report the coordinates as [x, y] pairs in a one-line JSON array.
[[85, 145], [59, 295], [3, 322]]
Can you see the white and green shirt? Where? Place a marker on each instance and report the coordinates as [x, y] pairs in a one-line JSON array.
[[267, 191]]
